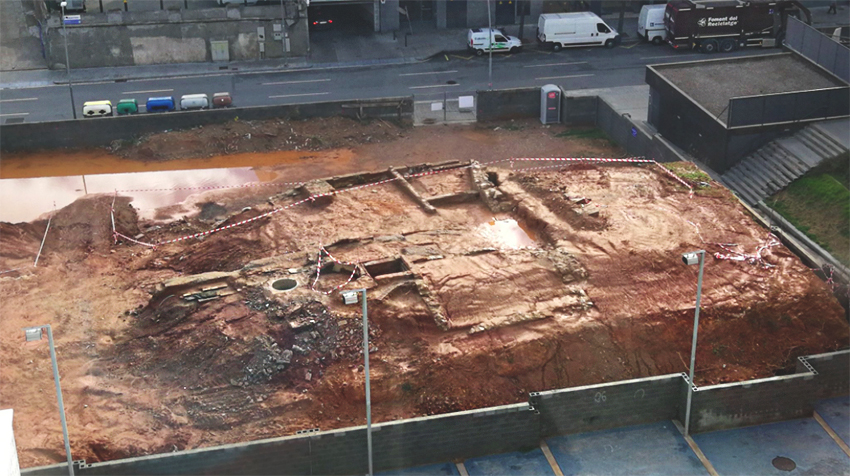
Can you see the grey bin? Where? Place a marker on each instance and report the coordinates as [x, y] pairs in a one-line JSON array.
[[550, 104]]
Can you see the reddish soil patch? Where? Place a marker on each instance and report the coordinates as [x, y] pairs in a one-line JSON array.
[[156, 356]]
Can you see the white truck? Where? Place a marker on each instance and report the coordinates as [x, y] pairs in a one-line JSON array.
[[482, 40], [651, 23], [561, 30]]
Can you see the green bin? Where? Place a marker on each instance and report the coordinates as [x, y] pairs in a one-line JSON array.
[[127, 106]]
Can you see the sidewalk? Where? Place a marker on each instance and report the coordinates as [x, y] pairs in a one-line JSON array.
[[344, 52]]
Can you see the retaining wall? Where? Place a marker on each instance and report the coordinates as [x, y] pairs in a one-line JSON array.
[[608, 405], [501, 104], [517, 427], [103, 131]]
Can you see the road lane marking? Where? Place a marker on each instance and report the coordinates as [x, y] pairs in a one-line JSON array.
[[433, 72], [564, 77], [148, 92], [665, 56], [553, 64], [296, 95], [15, 114], [296, 82], [434, 86], [18, 100]]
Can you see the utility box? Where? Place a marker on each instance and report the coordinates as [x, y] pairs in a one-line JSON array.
[[550, 104]]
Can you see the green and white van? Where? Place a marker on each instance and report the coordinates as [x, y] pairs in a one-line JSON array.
[[482, 40]]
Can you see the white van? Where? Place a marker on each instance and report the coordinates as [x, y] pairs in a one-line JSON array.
[[194, 101], [559, 30], [651, 23], [97, 108], [482, 40]]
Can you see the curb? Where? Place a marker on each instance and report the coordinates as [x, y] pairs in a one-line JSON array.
[[239, 71]]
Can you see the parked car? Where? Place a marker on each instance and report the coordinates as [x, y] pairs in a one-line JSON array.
[[482, 40], [560, 30], [97, 108], [222, 100], [651, 23], [126, 107], [160, 104], [194, 101]]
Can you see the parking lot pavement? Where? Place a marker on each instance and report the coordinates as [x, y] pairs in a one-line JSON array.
[[532, 462], [802, 446], [656, 448], [836, 413]]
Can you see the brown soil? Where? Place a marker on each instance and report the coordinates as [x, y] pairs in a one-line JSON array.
[[465, 319]]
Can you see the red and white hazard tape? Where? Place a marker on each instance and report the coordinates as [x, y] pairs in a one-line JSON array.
[[319, 271], [627, 160], [276, 210], [754, 258], [580, 159], [670, 173], [17, 269], [213, 187]]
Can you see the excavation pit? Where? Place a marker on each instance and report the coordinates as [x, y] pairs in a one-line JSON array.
[[286, 284]]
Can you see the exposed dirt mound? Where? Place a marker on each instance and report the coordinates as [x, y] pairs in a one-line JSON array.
[[257, 136]]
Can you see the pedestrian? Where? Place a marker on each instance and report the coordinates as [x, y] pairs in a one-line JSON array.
[[833, 8]]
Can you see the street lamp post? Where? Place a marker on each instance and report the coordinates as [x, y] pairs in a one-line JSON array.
[[67, 62], [350, 297], [693, 258], [35, 333]]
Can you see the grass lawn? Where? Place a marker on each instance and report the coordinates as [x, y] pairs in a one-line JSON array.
[[818, 204]]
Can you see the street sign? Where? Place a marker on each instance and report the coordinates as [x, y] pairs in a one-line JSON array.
[[72, 19]]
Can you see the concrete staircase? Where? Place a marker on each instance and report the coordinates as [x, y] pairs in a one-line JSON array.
[[780, 162]]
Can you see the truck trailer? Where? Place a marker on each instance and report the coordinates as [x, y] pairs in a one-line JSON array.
[[726, 25]]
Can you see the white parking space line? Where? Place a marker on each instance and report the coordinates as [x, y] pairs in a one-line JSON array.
[[666, 56], [297, 95], [148, 92], [18, 100], [296, 82], [16, 114], [434, 86], [554, 64], [563, 77], [431, 72]]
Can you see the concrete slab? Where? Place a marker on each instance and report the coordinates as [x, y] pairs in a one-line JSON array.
[[836, 413], [838, 130], [533, 462], [799, 150], [657, 448], [760, 449], [448, 469], [633, 100]]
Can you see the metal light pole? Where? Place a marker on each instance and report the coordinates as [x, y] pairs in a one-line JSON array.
[[349, 297], [67, 62], [35, 333], [490, 62], [283, 32], [691, 259]]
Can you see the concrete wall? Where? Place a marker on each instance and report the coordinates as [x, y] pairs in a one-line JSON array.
[[501, 104], [103, 131], [171, 36], [608, 405], [389, 15], [476, 14]]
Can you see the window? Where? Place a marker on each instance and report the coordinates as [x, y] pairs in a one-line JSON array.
[[602, 28], [500, 39]]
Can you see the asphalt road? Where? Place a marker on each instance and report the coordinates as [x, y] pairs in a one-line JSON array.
[[571, 69]]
